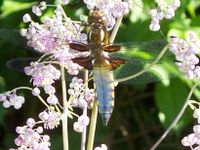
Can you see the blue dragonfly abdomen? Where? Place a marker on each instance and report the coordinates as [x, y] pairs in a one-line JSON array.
[[103, 80]]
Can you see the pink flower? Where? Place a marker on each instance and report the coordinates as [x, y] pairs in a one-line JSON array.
[[42, 75], [51, 119], [186, 54], [31, 138]]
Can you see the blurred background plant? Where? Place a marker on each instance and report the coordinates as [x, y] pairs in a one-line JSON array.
[[142, 112]]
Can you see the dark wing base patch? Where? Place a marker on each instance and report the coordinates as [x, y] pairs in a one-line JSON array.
[[85, 62], [115, 62]]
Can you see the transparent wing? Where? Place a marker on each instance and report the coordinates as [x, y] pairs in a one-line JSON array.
[[14, 36], [155, 73], [140, 50], [138, 56], [19, 63]]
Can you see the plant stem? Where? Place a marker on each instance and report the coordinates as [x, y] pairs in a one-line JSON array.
[[65, 110], [145, 69], [22, 88], [92, 130], [83, 136], [115, 29], [180, 114]]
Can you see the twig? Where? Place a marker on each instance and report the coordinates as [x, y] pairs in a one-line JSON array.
[[65, 110], [176, 119]]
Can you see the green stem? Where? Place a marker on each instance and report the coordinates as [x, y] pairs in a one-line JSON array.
[[84, 133], [115, 29], [65, 110], [92, 130], [43, 101], [180, 114], [46, 54], [145, 69], [22, 88]]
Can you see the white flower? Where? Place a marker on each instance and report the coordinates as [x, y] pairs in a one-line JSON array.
[[63, 2], [30, 122], [154, 27], [31, 138], [23, 32], [36, 91], [6, 104], [111, 10], [27, 18], [83, 120], [185, 52], [36, 10], [43, 5], [52, 99], [49, 89], [164, 10], [16, 101], [103, 147], [77, 127], [189, 140], [2, 97]]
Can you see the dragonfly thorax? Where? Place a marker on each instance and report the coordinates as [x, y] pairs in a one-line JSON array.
[[97, 35]]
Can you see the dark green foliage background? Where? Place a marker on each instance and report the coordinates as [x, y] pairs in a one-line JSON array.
[[142, 112]]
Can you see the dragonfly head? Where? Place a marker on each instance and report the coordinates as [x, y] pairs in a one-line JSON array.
[[98, 33], [97, 19]]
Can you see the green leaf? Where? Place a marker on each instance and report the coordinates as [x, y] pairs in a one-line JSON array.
[[169, 100], [10, 6], [2, 109], [2, 84]]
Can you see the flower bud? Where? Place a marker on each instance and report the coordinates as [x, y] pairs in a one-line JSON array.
[[27, 18]]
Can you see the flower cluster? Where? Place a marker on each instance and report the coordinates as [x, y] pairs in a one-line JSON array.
[[111, 9], [54, 35], [12, 99], [82, 122], [81, 96], [103, 147], [164, 10], [42, 75], [31, 137], [50, 118], [193, 140], [186, 55]]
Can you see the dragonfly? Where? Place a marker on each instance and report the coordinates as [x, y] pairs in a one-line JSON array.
[[100, 62], [107, 61]]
